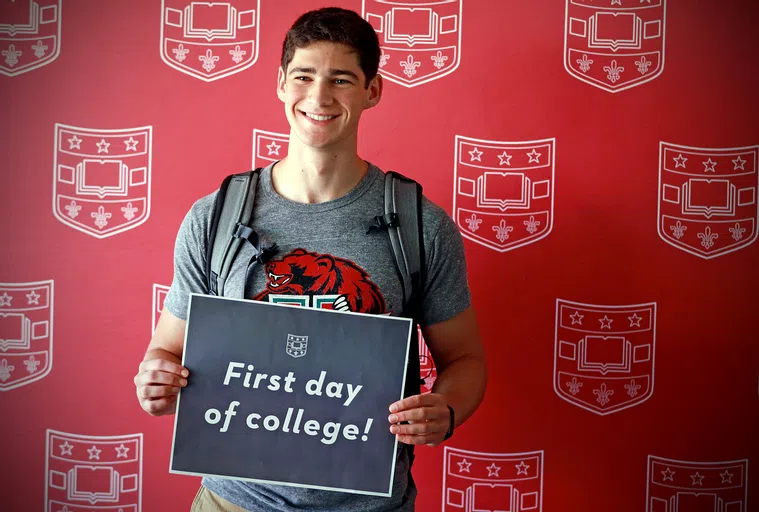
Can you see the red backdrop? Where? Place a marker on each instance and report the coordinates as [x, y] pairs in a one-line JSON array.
[[600, 158]]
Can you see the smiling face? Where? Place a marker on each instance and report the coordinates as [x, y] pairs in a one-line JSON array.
[[324, 91]]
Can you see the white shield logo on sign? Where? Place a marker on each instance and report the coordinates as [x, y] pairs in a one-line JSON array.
[[420, 39], [93, 472], [26, 332], [101, 178], [209, 40], [604, 355], [478, 481], [296, 345], [675, 485], [159, 295], [30, 35], [269, 147], [503, 191], [708, 198], [427, 368], [614, 47]]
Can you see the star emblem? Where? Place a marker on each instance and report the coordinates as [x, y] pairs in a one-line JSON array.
[[75, 142], [505, 158], [94, 452], [66, 448], [738, 162], [534, 156], [5, 299], [606, 322], [698, 478], [464, 466], [617, 2], [121, 451], [33, 298], [635, 320], [103, 146], [475, 154], [709, 165], [493, 470], [521, 468], [131, 144], [273, 148], [727, 477], [668, 475], [576, 318], [680, 161]]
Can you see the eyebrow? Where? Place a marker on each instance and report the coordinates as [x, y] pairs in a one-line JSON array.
[[331, 72]]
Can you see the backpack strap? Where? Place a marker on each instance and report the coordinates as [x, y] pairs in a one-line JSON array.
[[232, 212]]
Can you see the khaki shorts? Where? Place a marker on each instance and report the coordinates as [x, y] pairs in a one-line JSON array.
[[207, 501]]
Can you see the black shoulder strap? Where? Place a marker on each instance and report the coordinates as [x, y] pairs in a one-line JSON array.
[[232, 212]]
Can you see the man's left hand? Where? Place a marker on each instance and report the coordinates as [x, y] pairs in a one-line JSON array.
[[428, 418]]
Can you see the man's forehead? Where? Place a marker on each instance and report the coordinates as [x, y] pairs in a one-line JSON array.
[[326, 54]]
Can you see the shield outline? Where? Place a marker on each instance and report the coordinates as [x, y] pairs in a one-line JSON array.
[[429, 78], [583, 405], [50, 283], [704, 465], [550, 141], [126, 227], [493, 455], [157, 290], [47, 60], [687, 248], [221, 75], [49, 433], [290, 340], [630, 85], [257, 134]]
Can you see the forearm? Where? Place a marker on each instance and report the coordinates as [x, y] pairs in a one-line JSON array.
[[462, 384], [159, 353]]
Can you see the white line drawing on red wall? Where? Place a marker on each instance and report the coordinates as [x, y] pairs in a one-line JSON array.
[[30, 35], [159, 295], [269, 147]]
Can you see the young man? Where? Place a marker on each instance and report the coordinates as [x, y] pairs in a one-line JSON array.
[[311, 204]]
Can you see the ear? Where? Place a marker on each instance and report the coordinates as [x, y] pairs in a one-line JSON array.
[[374, 91], [281, 80], [325, 262]]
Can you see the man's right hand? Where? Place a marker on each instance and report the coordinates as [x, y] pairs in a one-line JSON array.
[[158, 382]]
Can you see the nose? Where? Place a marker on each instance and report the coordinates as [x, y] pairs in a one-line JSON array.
[[320, 93]]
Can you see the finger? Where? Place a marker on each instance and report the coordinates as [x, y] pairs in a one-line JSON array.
[[156, 377], [419, 429], [164, 366], [430, 439], [156, 391], [420, 414], [415, 401], [160, 406]]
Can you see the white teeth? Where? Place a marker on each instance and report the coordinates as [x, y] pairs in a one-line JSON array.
[[319, 118]]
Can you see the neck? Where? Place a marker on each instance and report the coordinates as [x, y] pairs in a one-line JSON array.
[[308, 175]]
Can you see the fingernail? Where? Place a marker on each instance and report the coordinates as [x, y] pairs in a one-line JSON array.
[[393, 408], [185, 373], [183, 382], [394, 429], [175, 390], [393, 418]]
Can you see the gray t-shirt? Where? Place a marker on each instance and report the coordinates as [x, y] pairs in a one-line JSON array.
[[325, 259]]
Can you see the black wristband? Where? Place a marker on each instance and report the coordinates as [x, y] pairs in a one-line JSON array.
[[449, 433]]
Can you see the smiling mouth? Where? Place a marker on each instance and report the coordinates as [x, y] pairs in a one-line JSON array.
[[317, 117]]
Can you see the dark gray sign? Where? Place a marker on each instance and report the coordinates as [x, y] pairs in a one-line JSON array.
[[290, 395]]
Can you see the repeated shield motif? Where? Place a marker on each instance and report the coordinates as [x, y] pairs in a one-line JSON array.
[[30, 35], [614, 44], [209, 40], [101, 178], [503, 191], [85, 473], [427, 368], [269, 147], [420, 39], [26, 333], [676, 485], [159, 295], [478, 481], [708, 198], [604, 355], [297, 346]]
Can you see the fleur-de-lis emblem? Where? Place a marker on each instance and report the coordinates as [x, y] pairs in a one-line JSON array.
[[613, 71], [237, 54], [473, 223], [574, 386], [39, 49], [31, 364], [737, 232], [209, 60], [11, 55], [128, 211], [383, 59], [603, 394], [101, 217], [532, 225], [708, 238], [5, 370], [72, 209], [180, 53], [632, 388], [678, 230], [584, 63], [643, 65], [439, 59], [502, 231], [409, 66]]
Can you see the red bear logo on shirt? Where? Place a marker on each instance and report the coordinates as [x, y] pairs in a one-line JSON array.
[[308, 273]]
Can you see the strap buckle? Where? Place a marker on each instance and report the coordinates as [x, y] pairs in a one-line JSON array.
[[389, 220]]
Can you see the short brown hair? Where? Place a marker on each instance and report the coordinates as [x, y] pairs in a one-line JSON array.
[[335, 25]]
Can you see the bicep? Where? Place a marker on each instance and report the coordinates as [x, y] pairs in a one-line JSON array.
[[455, 338], [169, 334]]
